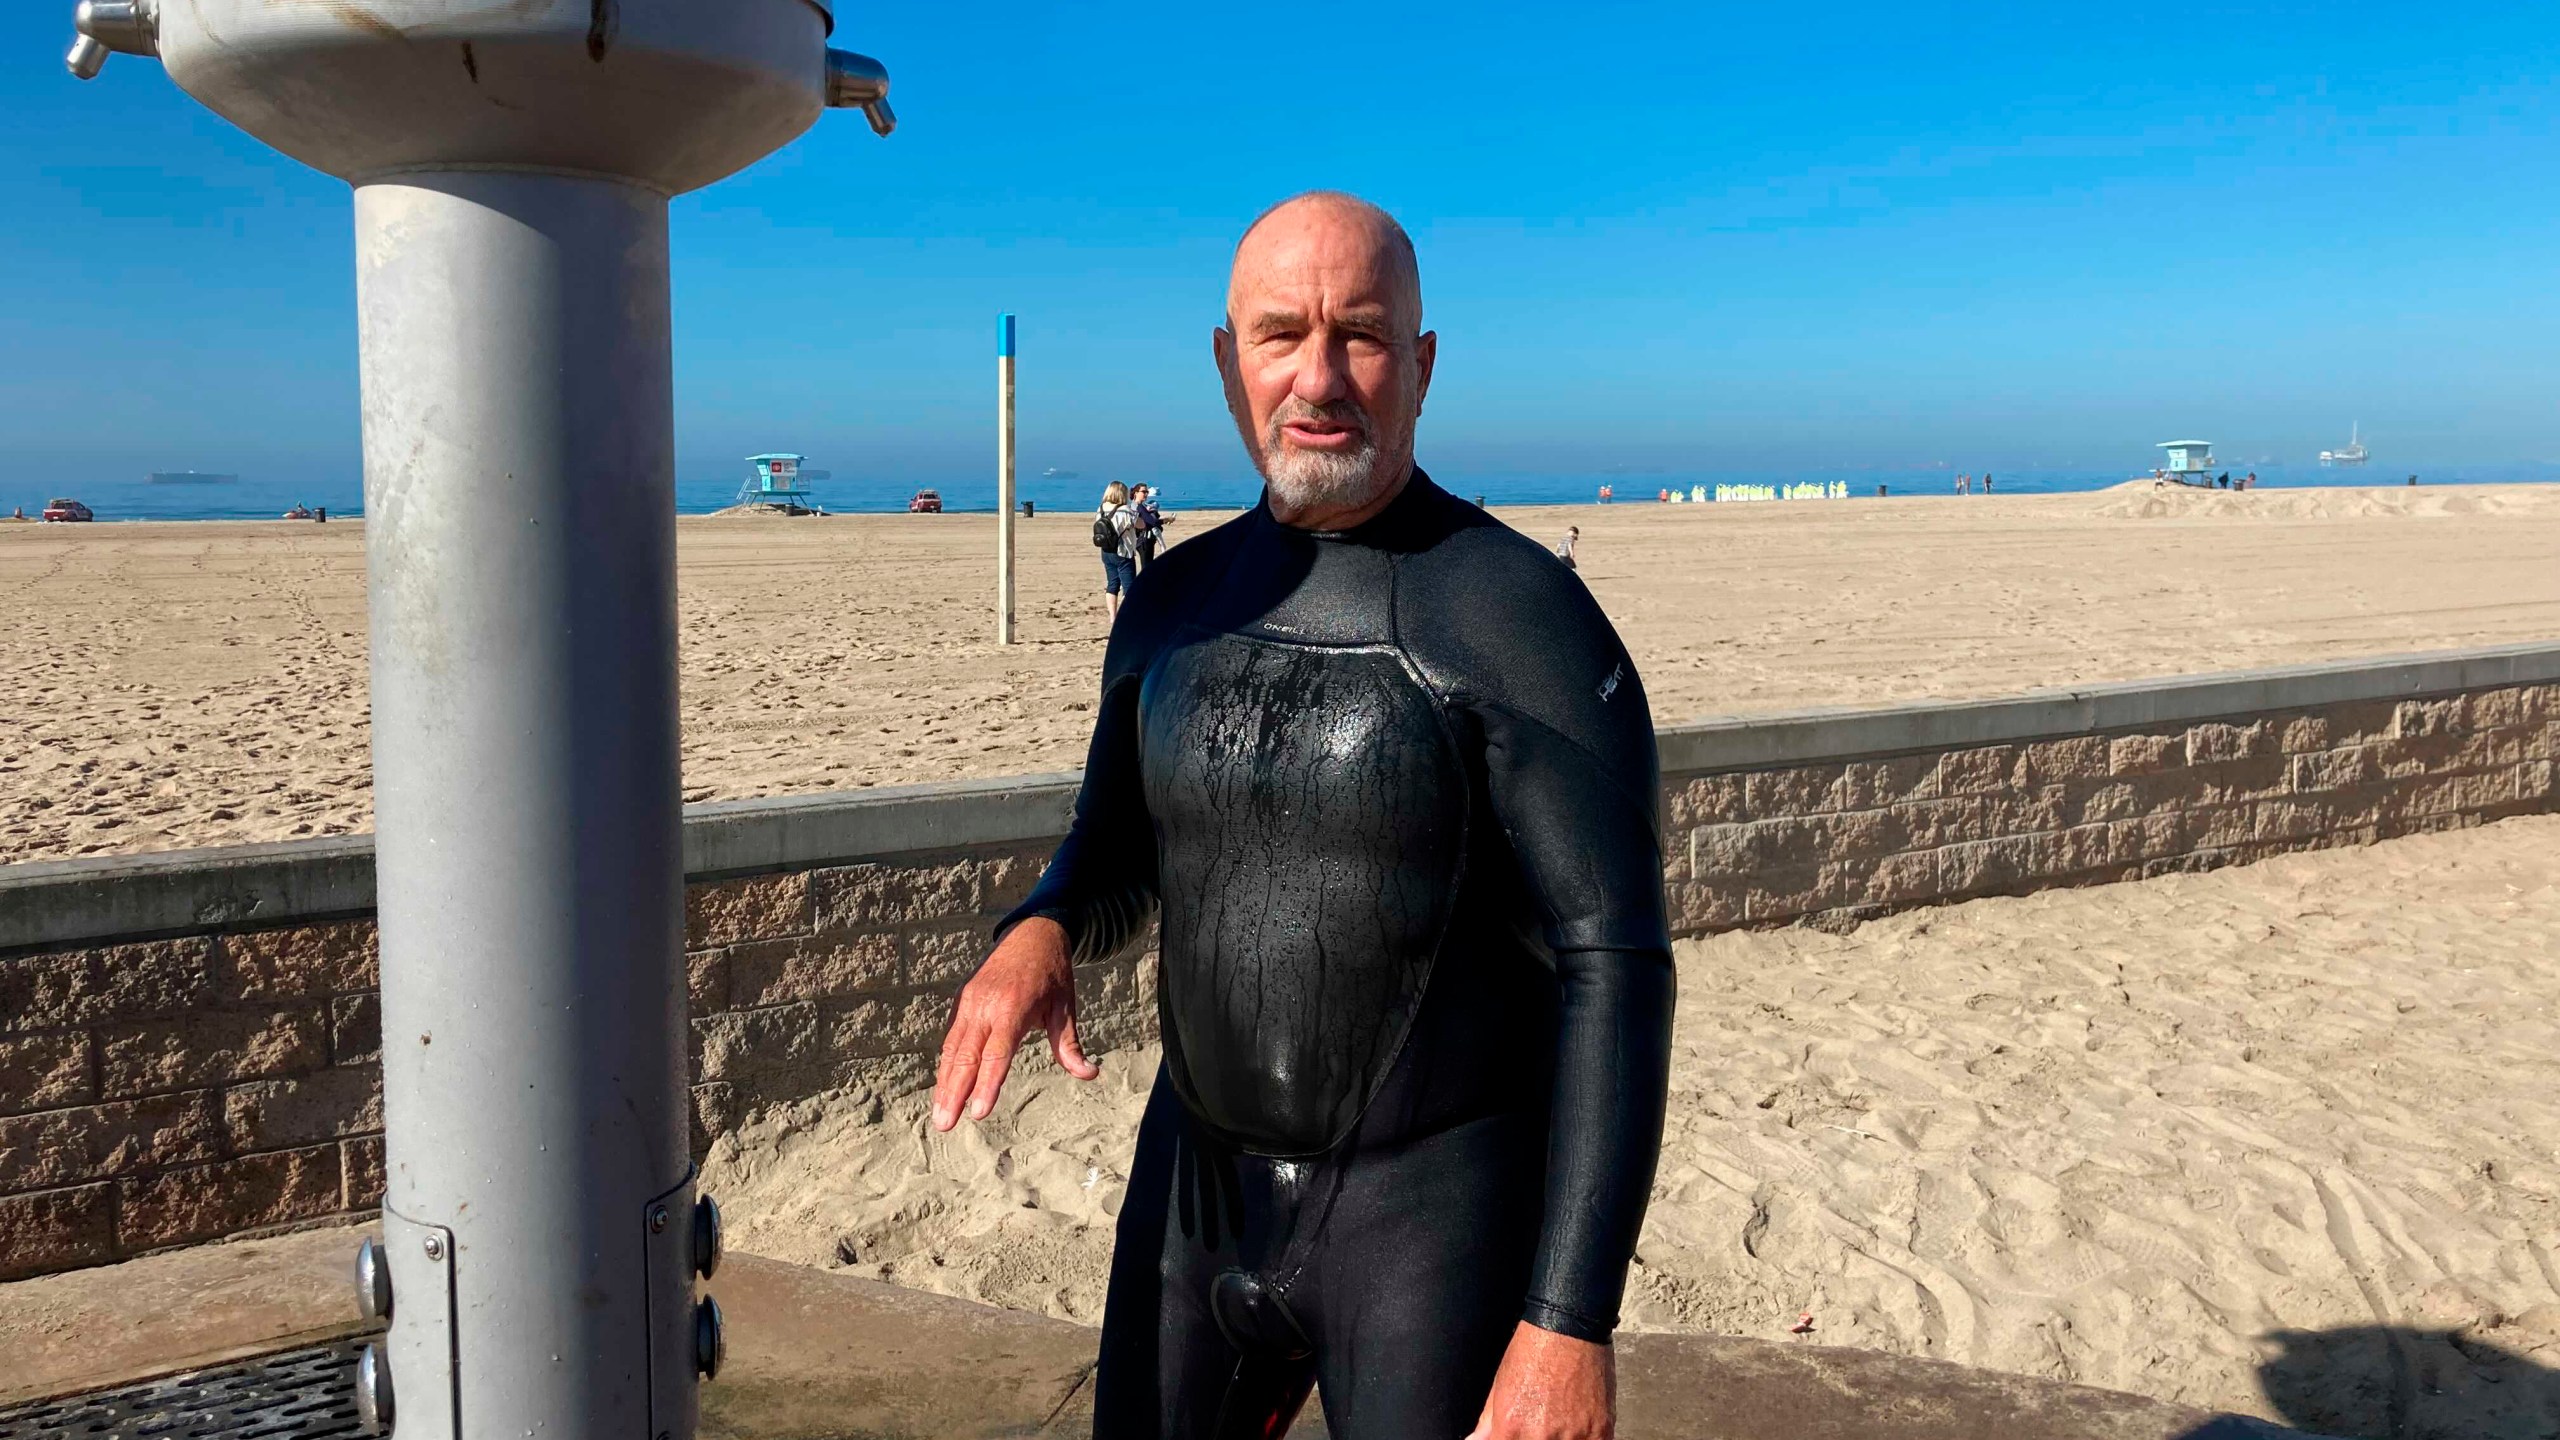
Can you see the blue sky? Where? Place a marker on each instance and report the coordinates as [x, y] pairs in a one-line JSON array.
[[1651, 235]]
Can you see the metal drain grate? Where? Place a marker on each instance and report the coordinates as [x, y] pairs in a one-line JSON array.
[[307, 1394]]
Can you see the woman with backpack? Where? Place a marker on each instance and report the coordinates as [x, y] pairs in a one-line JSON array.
[[1115, 528]]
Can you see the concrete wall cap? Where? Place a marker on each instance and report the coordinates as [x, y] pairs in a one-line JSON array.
[[744, 837], [1804, 737], [57, 902]]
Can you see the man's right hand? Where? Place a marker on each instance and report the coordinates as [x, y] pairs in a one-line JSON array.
[[1030, 981]]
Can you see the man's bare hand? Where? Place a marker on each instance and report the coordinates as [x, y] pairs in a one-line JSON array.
[[1029, 982], [1551, 1387]]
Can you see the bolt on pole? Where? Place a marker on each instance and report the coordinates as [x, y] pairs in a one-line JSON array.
[[1004, 480], [512, 162]]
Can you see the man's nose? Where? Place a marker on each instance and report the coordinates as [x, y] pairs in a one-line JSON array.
[[1323, 372]]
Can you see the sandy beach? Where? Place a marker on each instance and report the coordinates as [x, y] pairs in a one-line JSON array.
[[2281, 1139], [177, 685]]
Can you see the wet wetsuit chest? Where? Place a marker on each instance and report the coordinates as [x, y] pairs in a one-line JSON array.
[[1311, 807]]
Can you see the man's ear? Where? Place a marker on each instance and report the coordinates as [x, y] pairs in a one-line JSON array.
[[1426, 352], [1222, 346]]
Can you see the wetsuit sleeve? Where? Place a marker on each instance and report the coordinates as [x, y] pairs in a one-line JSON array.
[[1101, 883], [1572, 777]]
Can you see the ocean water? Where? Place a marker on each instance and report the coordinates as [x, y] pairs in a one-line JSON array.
[[251, 498]]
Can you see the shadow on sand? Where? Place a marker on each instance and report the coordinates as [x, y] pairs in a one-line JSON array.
[[2375, 1382]]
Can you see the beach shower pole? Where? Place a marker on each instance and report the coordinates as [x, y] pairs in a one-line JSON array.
[[512, 162], [1004, 480]]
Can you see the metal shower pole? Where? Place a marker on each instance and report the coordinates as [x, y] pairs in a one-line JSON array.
[[512, 162], [1004, 480]]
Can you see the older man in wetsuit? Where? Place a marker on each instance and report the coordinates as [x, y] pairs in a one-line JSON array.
[[1388, 776]]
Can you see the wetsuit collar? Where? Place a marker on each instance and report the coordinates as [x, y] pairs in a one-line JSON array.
[[1418, 497]]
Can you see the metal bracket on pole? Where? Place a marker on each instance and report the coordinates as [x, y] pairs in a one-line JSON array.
[[667, 1242], [419, 1361]]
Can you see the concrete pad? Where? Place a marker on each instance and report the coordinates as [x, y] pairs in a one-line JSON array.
[[814, 1355], [116, 1324], [1715, 1387], [817, 1355]]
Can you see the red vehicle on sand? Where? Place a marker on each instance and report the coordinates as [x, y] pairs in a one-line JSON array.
[[67, 510], [927, 502]]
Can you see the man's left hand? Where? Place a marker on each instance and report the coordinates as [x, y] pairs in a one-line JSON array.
[[1551, 1387]]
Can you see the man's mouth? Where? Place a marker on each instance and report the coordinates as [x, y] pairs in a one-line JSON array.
[[1321, 435]]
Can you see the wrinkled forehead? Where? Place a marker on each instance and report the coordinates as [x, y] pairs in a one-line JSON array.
[[1325, 259]]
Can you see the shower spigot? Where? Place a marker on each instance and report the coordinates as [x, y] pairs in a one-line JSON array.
[[105, 27], [859, 80]]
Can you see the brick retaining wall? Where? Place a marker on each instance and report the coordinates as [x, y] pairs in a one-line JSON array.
[[189, 1042], [1840, 841], [842, 978], [173, 1090]]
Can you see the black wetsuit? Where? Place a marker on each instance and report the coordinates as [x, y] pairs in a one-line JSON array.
[[1395, 791]]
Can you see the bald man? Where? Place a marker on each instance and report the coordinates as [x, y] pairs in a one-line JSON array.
[[1389, 776]]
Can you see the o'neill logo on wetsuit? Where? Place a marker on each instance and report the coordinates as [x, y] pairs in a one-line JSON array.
[[1609, 686]]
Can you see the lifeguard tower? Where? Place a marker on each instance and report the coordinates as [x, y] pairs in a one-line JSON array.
[[2190, 461], [780, 482]]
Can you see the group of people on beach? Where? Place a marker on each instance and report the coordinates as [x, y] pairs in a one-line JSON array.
[[2222, 481], [1128, 529], [1964, 483]]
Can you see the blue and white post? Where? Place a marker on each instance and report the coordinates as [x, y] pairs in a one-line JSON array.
[[1004, 480]]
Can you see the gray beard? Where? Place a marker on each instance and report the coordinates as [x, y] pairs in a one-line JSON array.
[[1305, 480], [1322, 480]]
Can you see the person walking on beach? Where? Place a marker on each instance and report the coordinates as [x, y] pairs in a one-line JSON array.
[[1115, 528], [1564, 547], [1986, 482], [1385, 777]]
